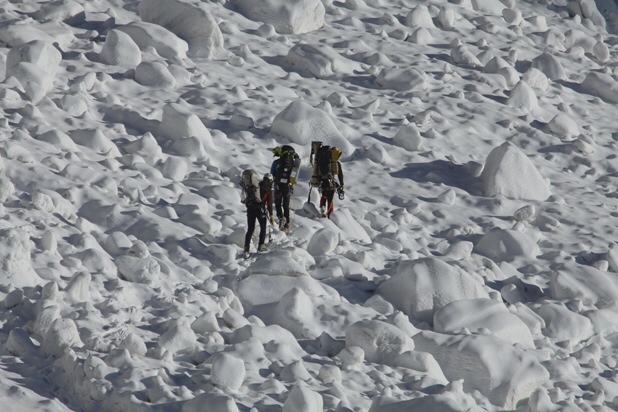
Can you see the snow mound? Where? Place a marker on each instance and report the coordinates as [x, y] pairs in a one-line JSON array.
[[37, 52], [549, 65], [408, 137], [154, 74], [189, 22], [96, 140], [402, 79], [320, 60], [145, 146], [166, 43], [504, 380], [217, 402], [461, 55], [419, 16], [279, 343], [488, 7], [563, 325], [563, 126], [350, 228], [301, 123], [381, 341], [62, 334], [178, 338], [134, 344], [227, 371], [25, 31], [302, 399], [587, 9], [308, 317], [420, 287], [323, 241], [119, 49], [34, 65], [523, 97], [536, 79], [585, 283], [286, 16], [260, 289], [506, 244], [67, 11], [422, 362], [173, 168], [178, 122], [601, 85], [15, 260], [509, 172], [483, 314], [58, 139], [278, 262], [138, 269]]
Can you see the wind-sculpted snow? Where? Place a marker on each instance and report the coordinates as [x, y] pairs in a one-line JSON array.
[[119, 49], [178, 123], [486, 314], [469, 266], [588, 284], [602, 85], [301, 124], [564, 325], [34, 66], [286, 16], [510, 173], [504, 380], [381, 342], [320, 61], [67, 11], [419, 288], [501, 244], [187, 20], [166, 43], [15, 259]]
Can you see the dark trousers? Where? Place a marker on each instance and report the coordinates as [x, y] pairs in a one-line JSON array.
[[282, 201], [252, 214], [327, 199]]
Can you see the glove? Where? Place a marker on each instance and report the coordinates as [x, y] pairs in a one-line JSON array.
[[272, 220]]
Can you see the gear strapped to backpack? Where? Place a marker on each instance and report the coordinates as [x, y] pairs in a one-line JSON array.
[[325, 164], [250, 184], [289, 163]]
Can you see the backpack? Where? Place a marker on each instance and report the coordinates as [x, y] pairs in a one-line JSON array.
[[250, 184], [325, 165], [288, 165]]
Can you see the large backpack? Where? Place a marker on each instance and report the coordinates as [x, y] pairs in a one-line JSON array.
[[287, 163], [250, 184], [325, 164]]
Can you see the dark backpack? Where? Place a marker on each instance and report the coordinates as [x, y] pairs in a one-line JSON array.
[[323, 159], [325, 162], [250, 183], [286, 164]]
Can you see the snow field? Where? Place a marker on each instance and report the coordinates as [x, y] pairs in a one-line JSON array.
[[470, 267]]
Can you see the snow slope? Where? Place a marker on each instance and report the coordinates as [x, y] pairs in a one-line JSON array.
[[471, 266]]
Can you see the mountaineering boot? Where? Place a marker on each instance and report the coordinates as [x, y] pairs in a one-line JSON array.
[[323, 211], [262, 248], [246, 253], [283, 224]]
